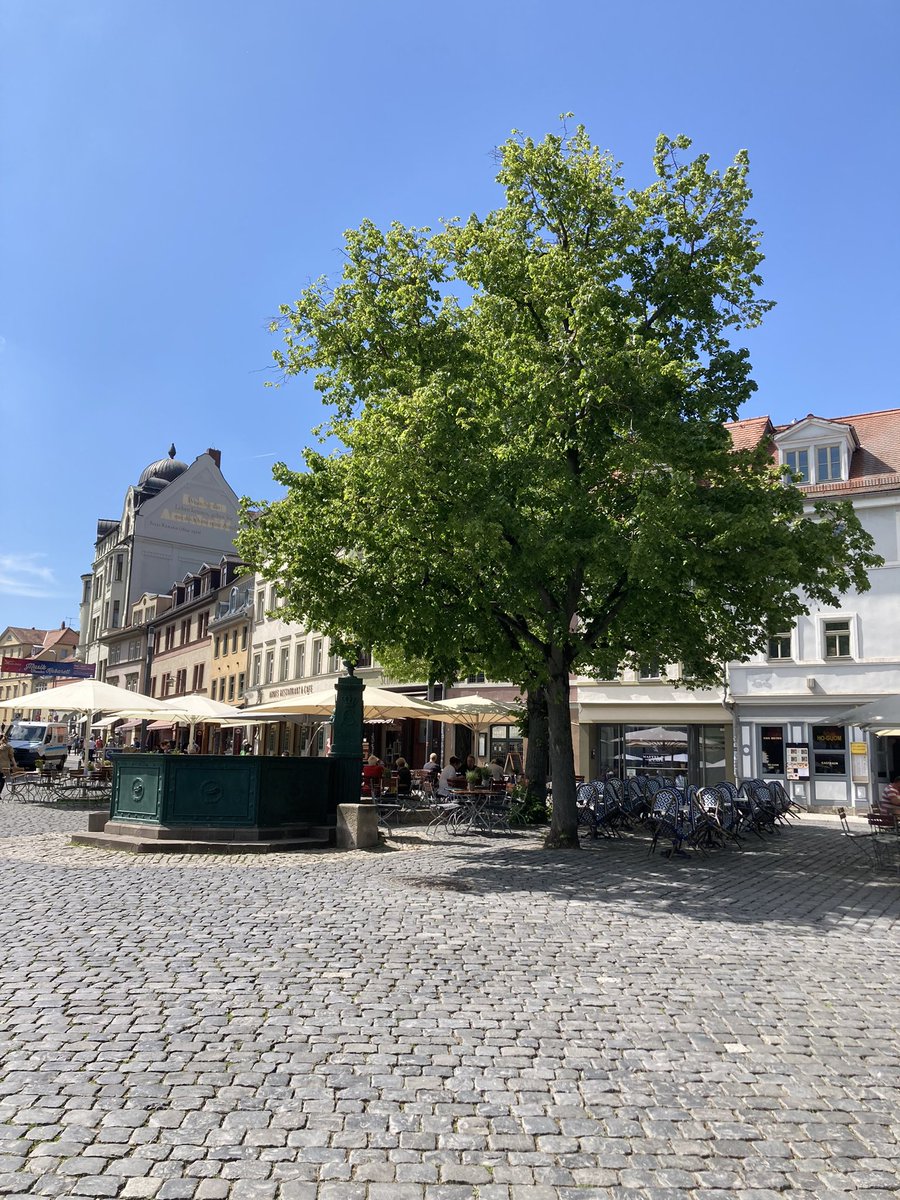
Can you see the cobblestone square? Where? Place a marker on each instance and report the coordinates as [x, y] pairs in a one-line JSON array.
[[470, 1020]]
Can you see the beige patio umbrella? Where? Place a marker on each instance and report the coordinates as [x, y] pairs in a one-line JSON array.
[[85, 696], [194, 710], [876, 714], [476, 712], [378, 704]]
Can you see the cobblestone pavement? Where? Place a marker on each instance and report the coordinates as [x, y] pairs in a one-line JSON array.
[[463, 1021]]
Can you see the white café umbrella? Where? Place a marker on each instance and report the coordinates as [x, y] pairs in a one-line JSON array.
[[876, 714], [476, 712], [194, 710], [85, 696], [378, 704]]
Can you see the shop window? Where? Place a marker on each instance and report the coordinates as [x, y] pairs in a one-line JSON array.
[[829, 744], [771, 744]]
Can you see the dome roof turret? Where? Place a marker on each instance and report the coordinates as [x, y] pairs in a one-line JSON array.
[[164, 470]]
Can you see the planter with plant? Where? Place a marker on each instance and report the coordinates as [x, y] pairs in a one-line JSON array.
[[473, 779]]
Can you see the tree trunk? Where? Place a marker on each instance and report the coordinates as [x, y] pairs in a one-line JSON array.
[[537, 759], [564, 822]]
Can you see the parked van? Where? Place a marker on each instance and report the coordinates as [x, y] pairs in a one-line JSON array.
[[48, 740]]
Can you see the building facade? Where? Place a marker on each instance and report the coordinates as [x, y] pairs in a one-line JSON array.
[[783, 714], [44, 645], [174, 519]]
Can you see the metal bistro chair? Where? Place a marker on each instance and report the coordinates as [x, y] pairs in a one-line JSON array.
[[636, 803], [757, 809], [665, 820], [719, 802], [865, 844], [586, 795], [603, 806]]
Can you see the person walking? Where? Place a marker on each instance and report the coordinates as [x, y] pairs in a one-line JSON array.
[[7, 762]]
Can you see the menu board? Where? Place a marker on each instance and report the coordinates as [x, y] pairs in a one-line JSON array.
[[797, 760]]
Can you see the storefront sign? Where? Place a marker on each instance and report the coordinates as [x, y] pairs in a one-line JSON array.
[[859, 762], [47, 670]]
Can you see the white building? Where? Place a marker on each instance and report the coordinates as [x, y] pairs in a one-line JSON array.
[[779, 716], [173, 520], [788, 702]]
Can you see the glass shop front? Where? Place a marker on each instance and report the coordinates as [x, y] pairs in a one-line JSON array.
[[680, 754]]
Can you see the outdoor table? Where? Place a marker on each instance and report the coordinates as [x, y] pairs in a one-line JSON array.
[[50, 787], [476, 814]]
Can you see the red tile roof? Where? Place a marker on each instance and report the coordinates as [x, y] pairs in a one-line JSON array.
[[745, 435], [875, 465]]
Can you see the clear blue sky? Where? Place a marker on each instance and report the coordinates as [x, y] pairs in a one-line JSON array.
[[172, 170]]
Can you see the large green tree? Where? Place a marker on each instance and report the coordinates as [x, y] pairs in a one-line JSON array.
[[528, 469]]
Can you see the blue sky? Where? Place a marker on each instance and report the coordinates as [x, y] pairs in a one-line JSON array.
[[172, 170]]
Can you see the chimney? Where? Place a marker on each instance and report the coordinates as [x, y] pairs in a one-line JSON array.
[[216, 456]]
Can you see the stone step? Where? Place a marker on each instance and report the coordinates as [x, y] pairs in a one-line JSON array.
[[169, 845]]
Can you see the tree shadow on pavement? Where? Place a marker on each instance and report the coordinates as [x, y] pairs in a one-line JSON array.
[[805, 874]]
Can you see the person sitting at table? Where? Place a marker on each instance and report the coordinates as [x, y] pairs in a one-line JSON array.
[[471, 764], [373, 773], [404, 777], [889, 804], [451, 777], [496, 767]]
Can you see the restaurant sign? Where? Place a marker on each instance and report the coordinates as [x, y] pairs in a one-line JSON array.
[[47, 670]]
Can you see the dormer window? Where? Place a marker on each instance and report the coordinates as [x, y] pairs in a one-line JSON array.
[[817, 450]]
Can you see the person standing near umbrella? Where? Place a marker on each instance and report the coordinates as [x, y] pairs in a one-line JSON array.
[[7, 762]]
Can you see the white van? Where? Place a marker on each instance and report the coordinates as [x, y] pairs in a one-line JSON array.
[[48, 740]]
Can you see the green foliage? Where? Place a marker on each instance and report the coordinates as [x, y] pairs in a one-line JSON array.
[[533, 474], [527, 807]]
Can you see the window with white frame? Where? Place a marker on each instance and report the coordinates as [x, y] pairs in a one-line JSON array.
[[837, 638], [300, 660], [284, 667], [828, 463], [317, 657], [798, 461], [817, 464], [780, 646], [270, 666]]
